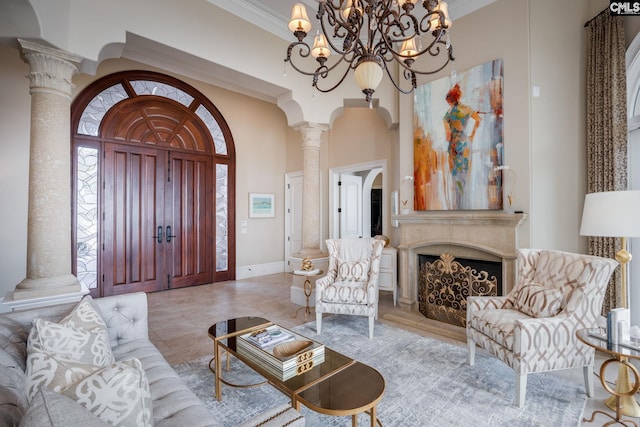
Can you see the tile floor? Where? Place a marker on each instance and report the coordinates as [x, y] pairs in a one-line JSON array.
[[179, 319]]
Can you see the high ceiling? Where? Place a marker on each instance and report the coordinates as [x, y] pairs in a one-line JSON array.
[[273, 15]]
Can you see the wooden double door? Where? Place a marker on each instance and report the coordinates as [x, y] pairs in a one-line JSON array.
[[158, 219]]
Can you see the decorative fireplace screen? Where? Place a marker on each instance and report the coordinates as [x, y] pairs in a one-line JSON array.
[[444, 283]]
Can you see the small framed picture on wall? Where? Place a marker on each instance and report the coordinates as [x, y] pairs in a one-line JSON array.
[[261, 205]]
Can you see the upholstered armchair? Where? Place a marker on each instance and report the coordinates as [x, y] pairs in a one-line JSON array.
[[533, 328], [351, 283]]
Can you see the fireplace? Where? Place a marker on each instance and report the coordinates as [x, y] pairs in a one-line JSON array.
[[487, 236], [445, 282]]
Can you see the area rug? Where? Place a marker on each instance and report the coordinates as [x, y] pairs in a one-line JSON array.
[[428, 383]]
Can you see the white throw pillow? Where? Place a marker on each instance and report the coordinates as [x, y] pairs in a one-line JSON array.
[[59, 354], [537, 301], [51, 409], [118, 394], [352, 271]]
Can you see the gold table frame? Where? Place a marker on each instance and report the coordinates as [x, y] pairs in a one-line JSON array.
[[307, 288], [617, 354], [329, 377]]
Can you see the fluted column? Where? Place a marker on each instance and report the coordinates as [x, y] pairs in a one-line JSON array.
[[311, 134], [49, 218]]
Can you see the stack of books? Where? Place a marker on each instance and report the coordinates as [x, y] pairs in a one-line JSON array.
[[282, 353]]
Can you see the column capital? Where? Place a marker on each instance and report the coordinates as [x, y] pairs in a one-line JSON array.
[[51, 69], [311, 133]]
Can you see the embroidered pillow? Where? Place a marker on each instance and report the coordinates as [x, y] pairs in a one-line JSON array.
[[118, 394], [59, 354], [537, 301], [352, 271]]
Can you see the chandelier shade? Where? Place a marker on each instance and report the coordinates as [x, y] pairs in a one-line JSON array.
[[368, 75], [369, 36]]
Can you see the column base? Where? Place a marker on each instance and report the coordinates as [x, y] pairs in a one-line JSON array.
[[31, 293]]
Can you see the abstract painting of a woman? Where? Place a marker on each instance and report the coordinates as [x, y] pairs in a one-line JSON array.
[[458, 142], [456, 120]]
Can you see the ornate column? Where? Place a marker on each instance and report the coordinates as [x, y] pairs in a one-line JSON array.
[[49, 217], [311, 134]]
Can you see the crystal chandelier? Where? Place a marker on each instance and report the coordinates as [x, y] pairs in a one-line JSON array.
[[367, 36]]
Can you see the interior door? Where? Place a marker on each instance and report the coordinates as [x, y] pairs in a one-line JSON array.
[[350, 206]]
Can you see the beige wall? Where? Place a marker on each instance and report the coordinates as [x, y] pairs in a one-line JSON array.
[[558, 146], [15, 106], [359, 135]]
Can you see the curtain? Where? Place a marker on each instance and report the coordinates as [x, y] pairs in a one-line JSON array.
[[606, 127]]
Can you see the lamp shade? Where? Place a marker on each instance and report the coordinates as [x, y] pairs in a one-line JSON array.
[[408, 48], [299, 18], [368, 74], [611, 214], [320, 46]]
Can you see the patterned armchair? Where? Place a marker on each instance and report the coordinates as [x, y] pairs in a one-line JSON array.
[[351, 283], [533, 329]]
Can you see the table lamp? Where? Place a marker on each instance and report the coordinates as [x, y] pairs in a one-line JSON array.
[[615, 214]]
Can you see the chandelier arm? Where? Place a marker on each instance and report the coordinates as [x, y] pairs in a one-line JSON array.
[[396, 85], [322, 70], [337, 25], [315, 82], [398, 28], [408, 68], [428, 18]]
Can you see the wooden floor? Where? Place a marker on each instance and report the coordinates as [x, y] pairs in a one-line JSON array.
[[179, 319]]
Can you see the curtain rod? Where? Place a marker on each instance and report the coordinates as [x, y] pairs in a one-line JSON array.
[[590, 20]]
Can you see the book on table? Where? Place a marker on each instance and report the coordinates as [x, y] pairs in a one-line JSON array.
[[268, 337], [286, 355]]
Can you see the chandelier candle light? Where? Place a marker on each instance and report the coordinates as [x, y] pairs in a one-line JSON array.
[[367, 36]]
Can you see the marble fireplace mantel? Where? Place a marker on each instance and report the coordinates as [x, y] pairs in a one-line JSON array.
[[486, 235]]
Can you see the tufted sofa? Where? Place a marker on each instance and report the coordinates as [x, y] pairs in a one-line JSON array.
[[126, 319]]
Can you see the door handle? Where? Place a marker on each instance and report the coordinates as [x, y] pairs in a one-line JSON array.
[[159, 234], [168, 236]]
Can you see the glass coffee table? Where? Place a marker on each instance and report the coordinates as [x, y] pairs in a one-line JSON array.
[[338, 386]]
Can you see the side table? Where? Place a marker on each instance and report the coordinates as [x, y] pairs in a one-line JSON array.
[[307, 289], [624, 399]]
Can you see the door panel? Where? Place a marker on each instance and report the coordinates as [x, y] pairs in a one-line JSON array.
[[188, 213], [132, 256]]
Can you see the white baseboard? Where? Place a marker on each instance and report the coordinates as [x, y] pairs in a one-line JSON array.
[[247, 271]]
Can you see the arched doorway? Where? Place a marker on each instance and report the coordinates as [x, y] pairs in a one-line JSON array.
[[153, 177]]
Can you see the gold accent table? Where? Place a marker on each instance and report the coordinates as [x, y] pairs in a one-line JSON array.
[[338, 386], [622, 397], [307, 288]]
